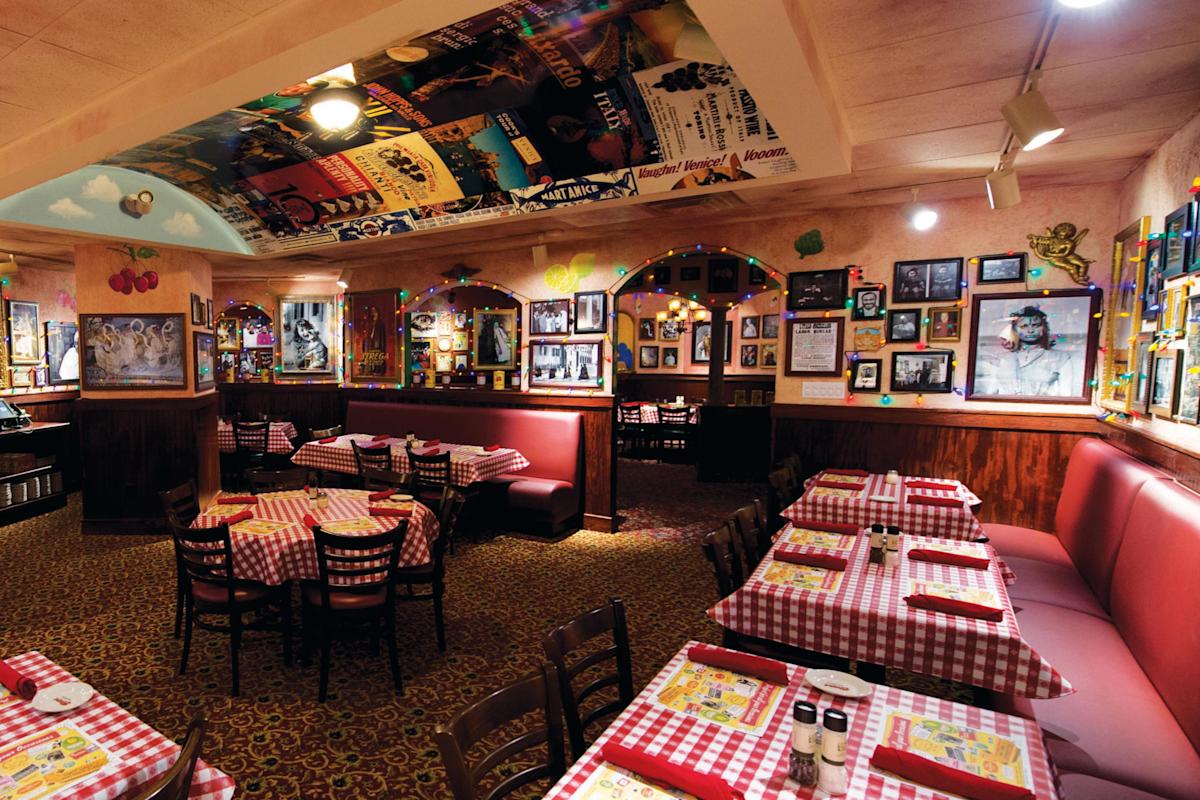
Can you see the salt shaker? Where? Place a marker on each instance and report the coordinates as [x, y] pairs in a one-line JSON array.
[[802, 762], [832, 776]]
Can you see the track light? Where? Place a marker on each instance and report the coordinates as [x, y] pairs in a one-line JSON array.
[[9, 267], [343, 280], [1031, 120], [1002, 187], [336, 108], [920, 216]]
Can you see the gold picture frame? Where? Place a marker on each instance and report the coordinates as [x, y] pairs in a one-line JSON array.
[[495, 339], [1123, 309]]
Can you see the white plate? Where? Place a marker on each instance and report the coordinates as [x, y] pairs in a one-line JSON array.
[[842, 684], [62, 697], [884, 498]]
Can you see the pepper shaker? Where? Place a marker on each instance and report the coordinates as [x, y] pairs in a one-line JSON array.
[[802, 762]]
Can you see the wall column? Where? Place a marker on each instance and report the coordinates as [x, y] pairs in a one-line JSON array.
[[716, 358]]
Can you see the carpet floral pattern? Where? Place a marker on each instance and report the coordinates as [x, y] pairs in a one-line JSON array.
[[666, 502]]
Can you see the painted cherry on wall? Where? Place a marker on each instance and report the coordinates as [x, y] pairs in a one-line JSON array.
[[128, 278]]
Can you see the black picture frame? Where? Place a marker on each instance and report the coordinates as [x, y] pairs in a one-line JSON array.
[[723, 275], [1193, 261], [770, 326], [856, 372], [669, 330], [646, 329], [197, 309], [1153, 280], [700, 330], [756, 275], [751, 326], [208, 311], [585, 300], [748, 356], [1176, 250], [1002, 268], [662, 275], [689, 274], [903, 363], [540, 312], [927, 280], [648, 356], [201, 343], [815, 290], [896, 315], [61, 339], [879, 292]]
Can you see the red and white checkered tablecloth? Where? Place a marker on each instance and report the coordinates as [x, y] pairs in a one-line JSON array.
[[862, 510], [865, 618], [757, 766], [291, 554], [279, 437], [468, 463], [143, 754], [650, 413]]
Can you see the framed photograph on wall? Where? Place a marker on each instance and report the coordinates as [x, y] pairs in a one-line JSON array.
[[923, 371], [1143, 366], [750, 327], [197, 309], [768, 355], [133, 351], [868, 337], [307, 335], [921, 281], [24, 333], [1152, 281], [702, 342], [818, 289], [670, 357], [1164, 385], [870, 302], [668, 330], [866, 375], [722, 275], [945, 324], [904, 325], [371, 332], [689, 274], [646, 329], [662, 274], [549, 317], [229, 338], [1189, 377], [62, 353], [770, 326], [1176, 246], [208, 314], [495, 342], [577, 365], [204, 360], [648, 356], [591, 312], [749, 355], [1123, 312], [814, 347], [1002, 268], [1034, 348]]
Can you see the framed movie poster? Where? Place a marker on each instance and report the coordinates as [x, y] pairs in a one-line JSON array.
[[495, 339], [24, 333], [550, 317], [923, 371], [1034, 348], [919, 281], [204, 360], [814, 347], [819, 289], [591, 312], [62, 353], [307, 331], [372, 336], [133, 351], [576, 365]]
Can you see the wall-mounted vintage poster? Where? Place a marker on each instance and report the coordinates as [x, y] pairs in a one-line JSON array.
[[372, 336], [306, 335], [133, 351], [814, 346]]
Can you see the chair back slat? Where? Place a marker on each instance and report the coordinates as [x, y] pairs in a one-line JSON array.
[[358, 564], [251, 437], [745, 526], [182, 502], [371, 457], [452, 505], [277, 480], [375, 480], [324, 433], [718, 548], [673, 416], [205, 555], [629, 414], [431, 470], [176, 782]]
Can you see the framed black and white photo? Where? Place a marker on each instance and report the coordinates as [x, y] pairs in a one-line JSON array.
[[668, 330], [197, 309], [814, 347], [770, 326], [756, 275], [662, 274], [573, 365], [1034, 348], [306, 335], [1002, 268], [670, 357], [866, 375], [702, 342], [495, 338], [722, 275], [904, 325], [62, 353], [1164, 385], [204, 360], [591, 312], [945, 324], [750, 327], [1176, 246], [689, 274], [870, 302], [646, 329], [422, 324], [819, 289], [920, 281], [24, 333], [923, 371], [648, 356], [549, 317], [749, 353]]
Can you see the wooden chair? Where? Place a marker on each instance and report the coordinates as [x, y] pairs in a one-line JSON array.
[[250, 440], [608, 618], [375, 480], [356, 590], [433, 574], [744, 525], [719, 549], [471, 725], [276, 480], [784, 492], [206, 557], [430, 475], [371, 457], [793, 462], [674, 433], [631, 431], [176, 782], [183, 505], [316, 434], [766, 527]]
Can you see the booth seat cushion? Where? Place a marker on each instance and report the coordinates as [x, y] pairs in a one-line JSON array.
[[1055, 584], [555, 500], [1116, 725], [1086, 787], [1028, 543]]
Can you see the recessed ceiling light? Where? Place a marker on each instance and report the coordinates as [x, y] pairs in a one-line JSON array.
[[1080, 3]]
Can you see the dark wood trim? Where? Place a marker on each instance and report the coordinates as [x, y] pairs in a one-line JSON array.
[[40, 398], [1183, 464], [146, 403], [940, 418]]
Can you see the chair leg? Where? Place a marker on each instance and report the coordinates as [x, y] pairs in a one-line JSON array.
[[187, 638], [439, 620], [323, 691], [389, 621], [235, 646], [285, 622], [179, 599]]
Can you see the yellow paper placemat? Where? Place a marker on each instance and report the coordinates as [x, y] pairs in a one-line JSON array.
[[967, 594], [982, 753], [802, 576], [829, 491], [353, 525], [261, 527], [823, 539]]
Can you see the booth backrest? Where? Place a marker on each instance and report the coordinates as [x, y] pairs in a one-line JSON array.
[[1156, 595], [549, 439], [1097, 494]]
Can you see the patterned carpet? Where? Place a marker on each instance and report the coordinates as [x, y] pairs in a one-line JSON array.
[[664, 501]]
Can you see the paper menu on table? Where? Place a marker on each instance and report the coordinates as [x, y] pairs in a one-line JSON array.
[[829, 491], [971, 750], [7, 696], [50, 762], [353, 525], [260, 527], [966, 594], [613, 783], [740, 702], [853, 480], [227, 510], [291, 494], [823, 539], [802, 576], [973, 549]]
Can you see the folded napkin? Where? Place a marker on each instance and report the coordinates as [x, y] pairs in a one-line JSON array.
[[958, 607], [917, 483], [309, 521], [375, 446], [953, 559], [432, 442], [241, 516], [858, 487], [431, 451], [659, 769], [795, 556], [16, 682], [327, 440], [381, 437], [491, 448], [767, 669], [832, 527], [862, 473], [943, 778], [237, 500], [926, 500], [391, 512], [382, 494]]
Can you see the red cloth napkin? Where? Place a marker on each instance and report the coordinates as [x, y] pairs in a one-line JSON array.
[[958, 607], [492, 448], [16, 682], [917, 483], [793, 555], [862, 473], [926, 500], [241, 516], [953, 559], [942, 778], [382, 494], [327, 440], [376, 446], [310, 521], [237, 500], [658, 768], [840, 485], [391, 512], [768, 669], [833, 527], [431, 451], [433, 442], [381, 437]]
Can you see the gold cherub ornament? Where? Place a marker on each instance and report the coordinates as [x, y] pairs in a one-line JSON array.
[[1057, 248]]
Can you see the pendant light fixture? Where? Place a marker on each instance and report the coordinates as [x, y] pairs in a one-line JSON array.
[[919, 215], [1030, 118]]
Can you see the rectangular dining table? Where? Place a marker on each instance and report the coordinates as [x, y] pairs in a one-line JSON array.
[[889, 504], [468, 463], [280, 436], [861, 614], [756, 763], [138, 753]]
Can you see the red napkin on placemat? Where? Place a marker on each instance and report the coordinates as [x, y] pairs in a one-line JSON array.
[[839, 485], [926, 500], [19, 684], [376, 446], [953, 559], [491, 448], [862, 473], [794, 556], [833, 527], [241, 516], [768, 669], [381, 437], [382, 494], [958, 607], [309, 521], [433, 442], [431, 451], [391, 512], [918, 769], [917, 483], [237, 500], [327, 440], [659, 769]]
